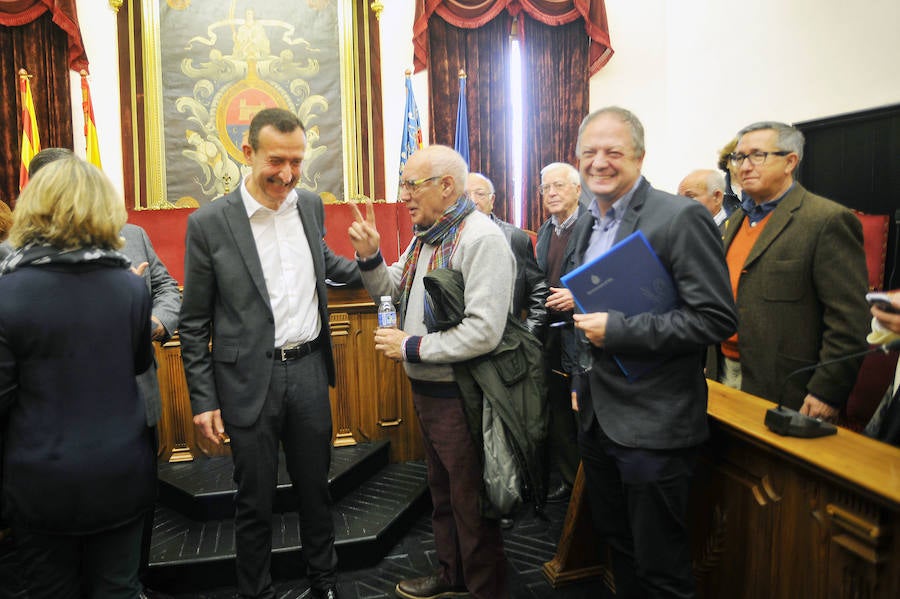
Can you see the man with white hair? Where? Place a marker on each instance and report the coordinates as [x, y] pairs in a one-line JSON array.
[[449, 233], [707, 187], [556, 240]]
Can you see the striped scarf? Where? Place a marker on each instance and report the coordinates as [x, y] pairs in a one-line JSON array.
[[444, 234]]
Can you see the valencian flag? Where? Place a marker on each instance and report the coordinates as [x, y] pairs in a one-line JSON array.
[[461, 143], [412, 130], [31, 141], [91, 145]]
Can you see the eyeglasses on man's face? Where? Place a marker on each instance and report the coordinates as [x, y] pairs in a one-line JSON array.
[[413, 185], [756, 157], [557, 187], [477, 193]]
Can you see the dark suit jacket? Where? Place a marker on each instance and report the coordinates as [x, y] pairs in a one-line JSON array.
[[665, 408], [570, 260], [530, 290], [801, 300], [166, 303], [226, 300]]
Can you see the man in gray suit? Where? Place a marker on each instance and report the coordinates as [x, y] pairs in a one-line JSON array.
[[255, 268], [639, 438], [166, 304]]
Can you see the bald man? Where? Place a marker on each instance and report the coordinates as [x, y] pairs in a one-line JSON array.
[[707, 187], [530, 291]]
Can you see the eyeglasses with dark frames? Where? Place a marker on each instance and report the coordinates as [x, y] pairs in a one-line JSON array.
[[757, 157]]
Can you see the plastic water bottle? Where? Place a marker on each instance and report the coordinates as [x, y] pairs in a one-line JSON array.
[[387, 315]]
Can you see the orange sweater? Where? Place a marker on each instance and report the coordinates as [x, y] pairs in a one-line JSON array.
[[736, 257]]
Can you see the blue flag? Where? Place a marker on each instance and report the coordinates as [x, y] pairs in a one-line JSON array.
[[412, 130], [461, 143]]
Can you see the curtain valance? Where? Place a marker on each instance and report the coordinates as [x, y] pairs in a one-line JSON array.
[[14, 13], [469, 14]]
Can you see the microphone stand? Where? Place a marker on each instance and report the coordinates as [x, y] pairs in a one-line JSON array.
[[791, 423]]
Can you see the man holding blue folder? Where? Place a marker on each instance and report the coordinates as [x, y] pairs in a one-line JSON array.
[[639, 435]]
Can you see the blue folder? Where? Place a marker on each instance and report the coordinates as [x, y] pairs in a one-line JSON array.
[[629, 278]]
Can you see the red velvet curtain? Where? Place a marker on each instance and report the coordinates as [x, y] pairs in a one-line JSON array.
[[41, 36], [484, 54], [564, 42], [556, 100]]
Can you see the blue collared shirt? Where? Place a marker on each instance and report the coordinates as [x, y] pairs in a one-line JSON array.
[[756, 212], [606, 226]]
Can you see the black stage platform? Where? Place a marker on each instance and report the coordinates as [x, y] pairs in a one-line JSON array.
[[382, 525]]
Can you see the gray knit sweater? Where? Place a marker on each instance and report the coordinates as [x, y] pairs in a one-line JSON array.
[[488, 268]]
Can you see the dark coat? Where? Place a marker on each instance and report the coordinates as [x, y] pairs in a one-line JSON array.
[[510, 380], [570, 260], [77, 456], [665, 408], [531, 289]]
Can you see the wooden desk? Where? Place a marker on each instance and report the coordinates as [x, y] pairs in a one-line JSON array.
[[775, 516]]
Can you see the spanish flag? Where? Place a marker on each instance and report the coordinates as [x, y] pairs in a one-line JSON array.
[[31, 141], [91, 145]]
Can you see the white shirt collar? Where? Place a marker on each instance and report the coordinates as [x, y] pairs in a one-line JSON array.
[[252, 206]]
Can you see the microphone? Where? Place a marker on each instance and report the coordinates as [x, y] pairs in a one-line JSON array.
[[791, 423]]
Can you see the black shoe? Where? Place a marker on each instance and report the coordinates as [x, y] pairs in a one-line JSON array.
[[428, 587], [329, 593], [559, 494], [507, 522]]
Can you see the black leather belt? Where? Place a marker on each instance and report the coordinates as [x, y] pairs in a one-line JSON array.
[[294, 352]]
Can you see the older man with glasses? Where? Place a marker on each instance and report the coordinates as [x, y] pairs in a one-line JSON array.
[[560, 190], [798, 272], [449, 233]]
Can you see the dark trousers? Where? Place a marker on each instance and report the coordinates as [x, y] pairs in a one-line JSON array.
[[102, 565], [297, 412], [469, 547], [147, 533], [562, 434], [639, 502]]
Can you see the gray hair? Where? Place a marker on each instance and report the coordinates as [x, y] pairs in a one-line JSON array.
[[790, 139], [626, 116], [715, 181], [571, 171], [487, 181]]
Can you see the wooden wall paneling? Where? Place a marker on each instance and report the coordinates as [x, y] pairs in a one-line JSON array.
[[344, 395], [370, 401], [382, 399]]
